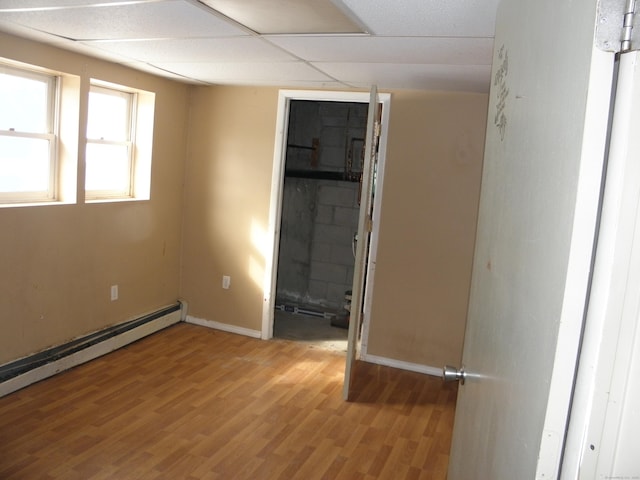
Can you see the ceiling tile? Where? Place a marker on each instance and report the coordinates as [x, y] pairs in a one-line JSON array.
[[364, 49], [287, 16], [58, 4], [435, 18], [248, 73], [160, 19], [418, 44], [145, 67], [474, 78], [192, 50]]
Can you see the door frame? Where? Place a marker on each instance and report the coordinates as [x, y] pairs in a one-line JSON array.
[[605, 382], [272, 235]]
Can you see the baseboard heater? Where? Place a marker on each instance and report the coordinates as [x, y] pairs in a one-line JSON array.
[[41, 365]]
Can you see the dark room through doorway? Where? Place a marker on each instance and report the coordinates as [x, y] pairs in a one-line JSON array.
[[319, 221]]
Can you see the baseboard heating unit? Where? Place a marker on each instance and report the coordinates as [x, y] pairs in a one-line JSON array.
[[21, 373]]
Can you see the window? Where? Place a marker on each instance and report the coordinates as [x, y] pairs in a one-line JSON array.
[[40, 146], [119, 143], [110, 140], [28, 144]]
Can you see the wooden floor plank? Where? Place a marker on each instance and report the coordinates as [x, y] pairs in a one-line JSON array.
[[194, 403]]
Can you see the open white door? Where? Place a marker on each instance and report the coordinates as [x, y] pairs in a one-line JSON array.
[[364, 232], [545, 145]]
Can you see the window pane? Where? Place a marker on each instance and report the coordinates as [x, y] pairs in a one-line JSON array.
[[108, 116], [24, 104], [107, 167], [24, 164]]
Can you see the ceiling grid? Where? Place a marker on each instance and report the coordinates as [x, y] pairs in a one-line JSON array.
[[413, 44]]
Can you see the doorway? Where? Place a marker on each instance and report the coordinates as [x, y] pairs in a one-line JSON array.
[[319, 220], [314, 213]]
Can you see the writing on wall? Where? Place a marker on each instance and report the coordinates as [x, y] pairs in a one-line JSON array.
[[502, 91]]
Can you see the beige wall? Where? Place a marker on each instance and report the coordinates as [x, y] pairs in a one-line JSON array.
[[228, 184], [429, 207], [57, 262]]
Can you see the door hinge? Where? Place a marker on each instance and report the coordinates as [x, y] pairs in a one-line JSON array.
[[615, 30], [627, 43]]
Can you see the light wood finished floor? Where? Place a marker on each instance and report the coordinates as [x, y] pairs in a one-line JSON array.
[[194, 403]]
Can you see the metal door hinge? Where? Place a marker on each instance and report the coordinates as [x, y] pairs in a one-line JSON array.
[[615, 30], [627, 27]]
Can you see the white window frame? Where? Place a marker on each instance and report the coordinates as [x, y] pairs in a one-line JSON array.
[[129, 142], [51, 135]]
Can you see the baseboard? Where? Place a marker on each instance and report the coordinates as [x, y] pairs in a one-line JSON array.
[[413, 367], [389, 362], [97, 344], [225, 327]]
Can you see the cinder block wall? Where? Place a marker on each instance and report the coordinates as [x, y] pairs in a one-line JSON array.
[[319, 216], [335, 225]]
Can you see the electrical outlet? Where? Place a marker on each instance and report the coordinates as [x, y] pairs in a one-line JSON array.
[[114, 292], [226, 282]]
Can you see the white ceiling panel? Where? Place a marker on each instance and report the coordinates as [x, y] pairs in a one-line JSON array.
[[287, 16], [163, 19], [244, 73], [396, 50], [192, 50], [52, 4], [413, 44], [471, 78], [22, 31], [58, 42], [146, 67], [433, 18]]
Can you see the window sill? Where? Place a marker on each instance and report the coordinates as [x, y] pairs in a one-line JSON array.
[[43, 203], [115, 200]]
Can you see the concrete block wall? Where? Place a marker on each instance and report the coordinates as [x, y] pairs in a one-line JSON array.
[[319, 217], [336, 223], [294, 260], [305, 124]]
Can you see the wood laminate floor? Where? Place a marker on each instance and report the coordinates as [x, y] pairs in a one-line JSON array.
[[194, 403]]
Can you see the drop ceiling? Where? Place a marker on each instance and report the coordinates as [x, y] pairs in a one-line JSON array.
[[399, 44]]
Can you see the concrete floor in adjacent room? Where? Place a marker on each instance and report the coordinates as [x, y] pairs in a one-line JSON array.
[[316, 331]]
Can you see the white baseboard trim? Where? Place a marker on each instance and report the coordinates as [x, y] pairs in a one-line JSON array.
[[225, 327], [87, 354], [413, 367]]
